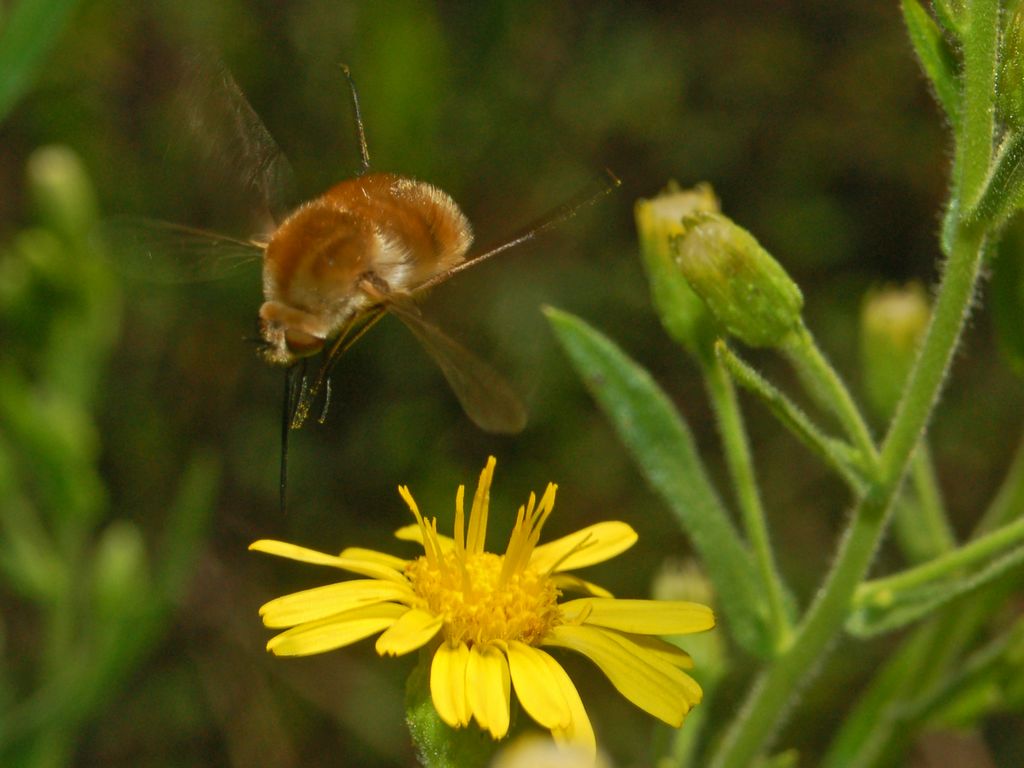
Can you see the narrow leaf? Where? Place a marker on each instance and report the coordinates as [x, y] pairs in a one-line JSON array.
[[26, 37], [935, 56], [1003, 192], [661, 443], [885, 613]]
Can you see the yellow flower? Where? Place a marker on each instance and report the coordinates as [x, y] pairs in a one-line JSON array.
[[489, 615]]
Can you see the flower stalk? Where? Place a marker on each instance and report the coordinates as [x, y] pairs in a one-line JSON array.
[[772, 691]]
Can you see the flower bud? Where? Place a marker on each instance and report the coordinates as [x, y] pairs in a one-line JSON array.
[[686, 580], [739, 281], [1010, 94], [119, 575], [534, 751], [893, 321], [681, 311], [62, 191]]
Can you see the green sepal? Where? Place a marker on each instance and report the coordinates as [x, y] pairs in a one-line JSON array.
[[437, 744], [743, 286]]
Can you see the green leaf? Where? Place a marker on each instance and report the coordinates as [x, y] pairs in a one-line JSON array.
[[936, 58], [1007, 288], [661, 443], [985, 682], [1003, 192], [27, 36], [888, 611], [187, 523]]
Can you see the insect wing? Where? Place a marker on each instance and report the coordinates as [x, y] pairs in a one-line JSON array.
[[159, 251], [484, 394], [233, 139]]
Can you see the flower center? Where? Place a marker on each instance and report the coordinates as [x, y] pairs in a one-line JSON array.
[[478, 605]]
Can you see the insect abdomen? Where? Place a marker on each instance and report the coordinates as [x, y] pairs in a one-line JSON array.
[[411, 215]]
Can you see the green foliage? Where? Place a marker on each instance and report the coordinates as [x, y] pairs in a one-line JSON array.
[[510, 107], [99, 597], [27, 35], [1008, 295], [663, 448], [936, 58], [907, 355]]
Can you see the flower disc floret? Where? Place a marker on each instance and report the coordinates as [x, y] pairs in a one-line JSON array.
[[478, 606]]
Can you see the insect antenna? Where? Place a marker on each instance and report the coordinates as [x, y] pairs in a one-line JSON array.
[[364, 151], [565, 211]]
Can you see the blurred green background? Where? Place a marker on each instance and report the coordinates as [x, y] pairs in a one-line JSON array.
[[810, 120]]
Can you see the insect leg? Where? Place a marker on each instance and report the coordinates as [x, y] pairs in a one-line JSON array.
[[339, 349]]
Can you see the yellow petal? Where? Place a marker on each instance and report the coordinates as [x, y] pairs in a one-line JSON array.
[[532, 677], [373, 556], [412, 630], [320, 602], [488, 689], [304, 555], [579, 732], [595, 543], [643, 617], [448, 684], [335, 631], [415, 533], [647, 680], [673, 654], [570, 583]]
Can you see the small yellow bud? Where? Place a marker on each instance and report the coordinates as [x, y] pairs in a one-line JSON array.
[[893, 321], [682, 580], [658, 221], [534, 751], [746, 289], [120, 579], [62, 191], [686, 580]]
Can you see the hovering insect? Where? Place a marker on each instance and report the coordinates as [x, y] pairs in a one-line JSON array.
[[336, 264]]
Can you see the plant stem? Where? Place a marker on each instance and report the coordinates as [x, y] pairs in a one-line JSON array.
[[773, 691], [741, 468], [1009, 501], [826, 386], [934, 521], [835, 453], [974, 143], [868, 729], [878, 723], [977, 551], [990, 661]]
